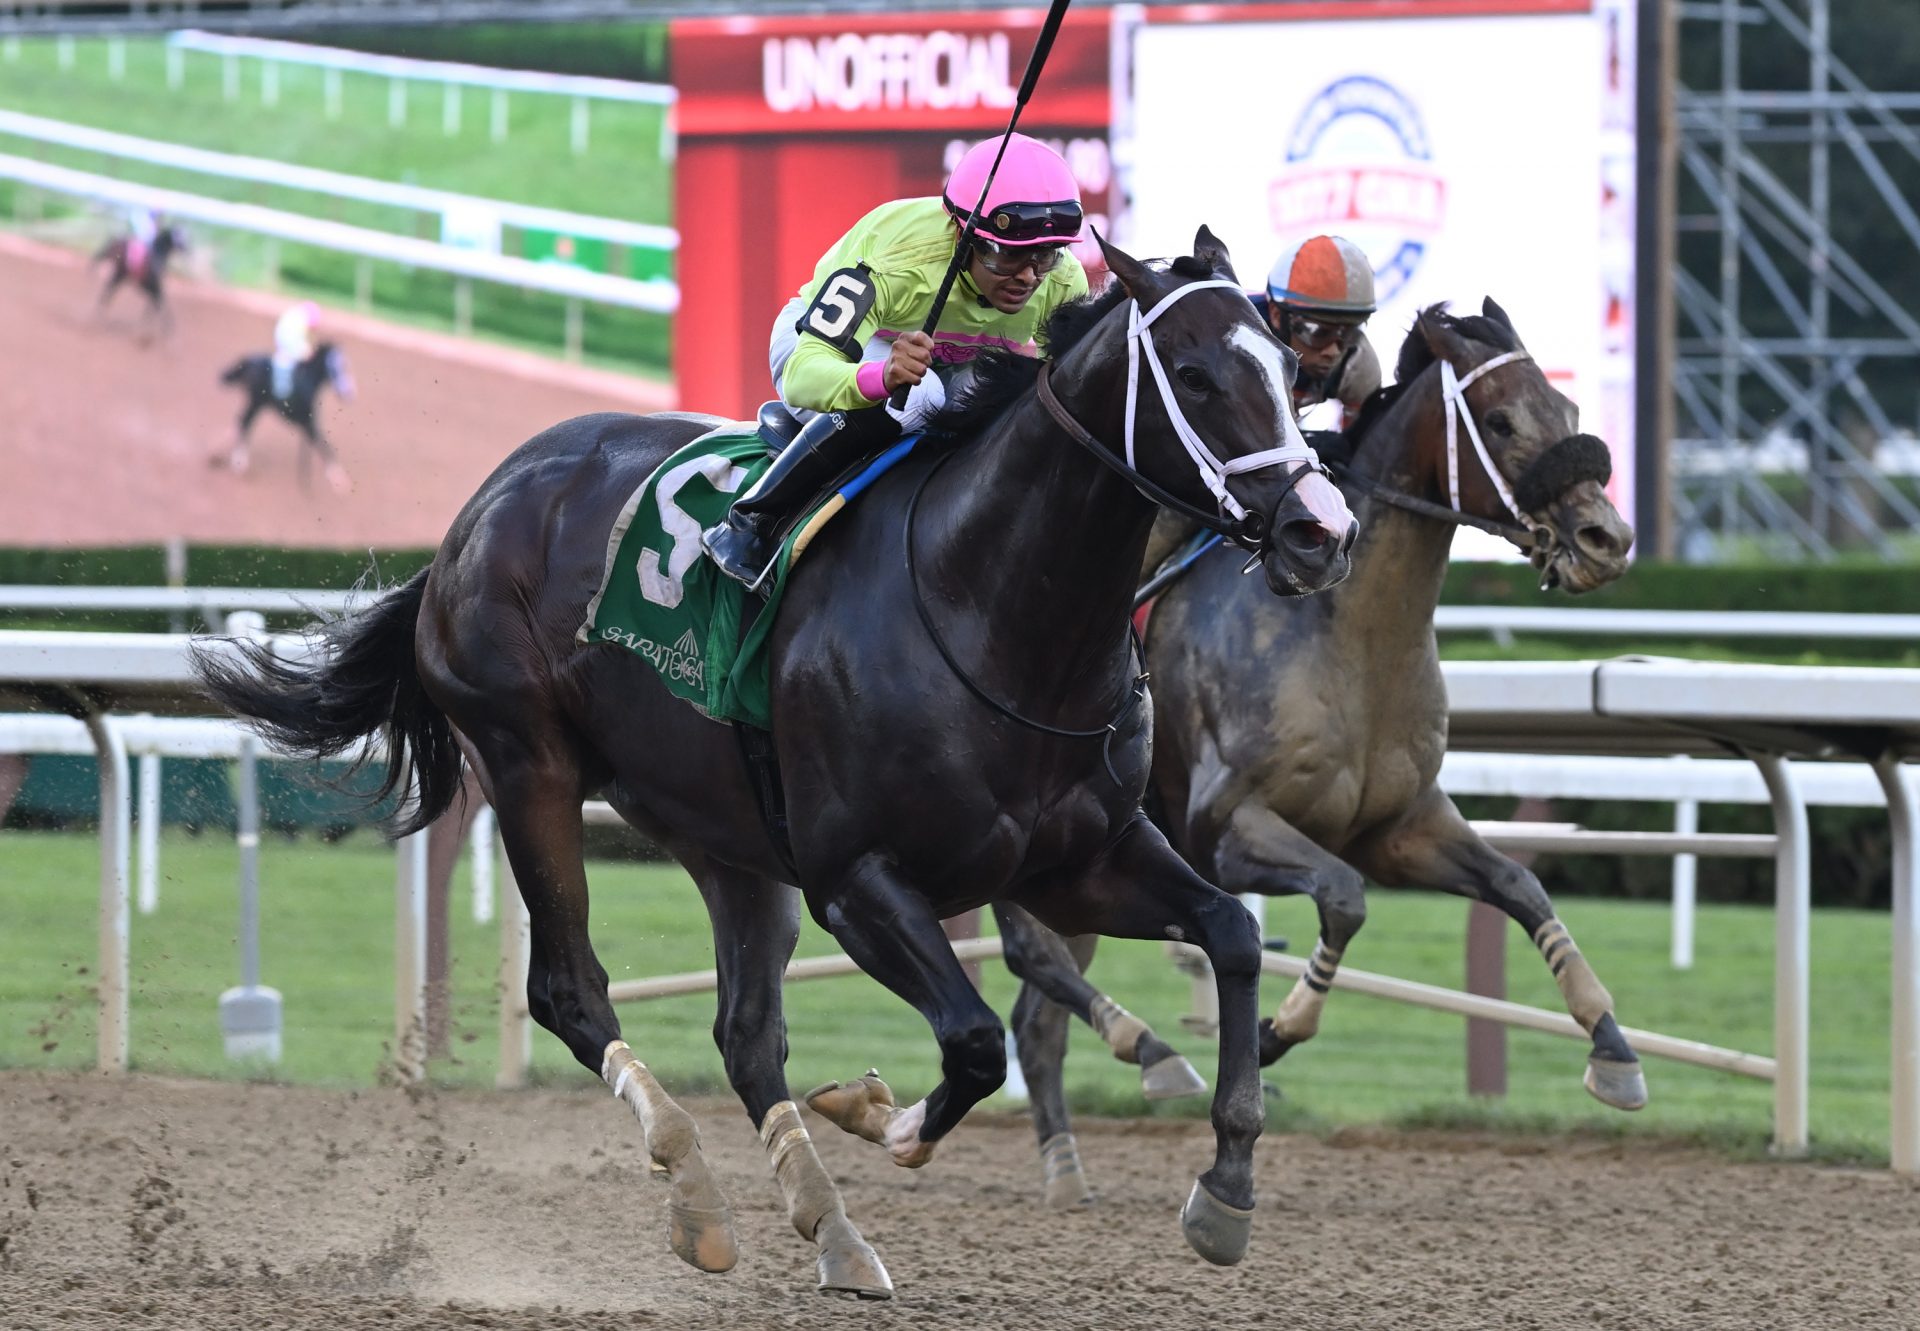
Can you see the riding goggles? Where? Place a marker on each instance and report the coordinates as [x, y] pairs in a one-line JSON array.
[[1010, 261], [1029, 223], [1318, 334]]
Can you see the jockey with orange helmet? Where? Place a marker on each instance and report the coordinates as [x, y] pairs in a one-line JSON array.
[[851, 337], [1319, 297]]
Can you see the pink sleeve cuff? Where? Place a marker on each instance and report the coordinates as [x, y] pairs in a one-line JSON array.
[[871, 379]]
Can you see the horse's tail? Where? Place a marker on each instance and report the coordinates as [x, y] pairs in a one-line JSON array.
[[359, 680], [236, 373]]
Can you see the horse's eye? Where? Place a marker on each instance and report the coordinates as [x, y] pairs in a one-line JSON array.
[[1500, 423], [1193, 380]]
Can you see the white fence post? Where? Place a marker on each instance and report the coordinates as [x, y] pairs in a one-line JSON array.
[[330, 93], [410, 958], [116, 58], [149, 824], [396, 102], [1792, 916], [1903, 809], [450, 109], [497, 120], [1686, 873], [480, 838], [115, 817], [229, 78], [516, 1027], [176, 68], [578, 135]]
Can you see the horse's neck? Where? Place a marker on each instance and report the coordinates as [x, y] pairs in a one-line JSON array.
[[1029, 529], [1400, 561]]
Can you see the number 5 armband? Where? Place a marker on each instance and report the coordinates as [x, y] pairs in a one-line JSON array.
[[837, 310]]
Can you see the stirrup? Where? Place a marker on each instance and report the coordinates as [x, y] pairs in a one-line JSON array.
[[739, 565]]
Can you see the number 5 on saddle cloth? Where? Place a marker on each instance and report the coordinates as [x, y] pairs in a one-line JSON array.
[[663, 600]]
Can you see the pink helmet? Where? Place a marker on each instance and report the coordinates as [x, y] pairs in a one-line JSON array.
[[310, 311], [1034, 199]]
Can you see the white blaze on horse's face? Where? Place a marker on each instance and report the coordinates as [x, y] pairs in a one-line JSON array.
[[1321, 496]]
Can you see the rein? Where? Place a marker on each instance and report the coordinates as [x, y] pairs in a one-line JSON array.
[[1137, 692]]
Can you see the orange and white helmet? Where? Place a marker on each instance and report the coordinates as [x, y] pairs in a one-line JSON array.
[[1325, 277]]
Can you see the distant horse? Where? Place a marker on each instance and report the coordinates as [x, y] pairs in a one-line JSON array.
[[326, 366], [959, 720], [145, 270], [1297, 743]]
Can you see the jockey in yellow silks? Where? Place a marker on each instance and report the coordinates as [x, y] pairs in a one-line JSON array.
[[851, 337]]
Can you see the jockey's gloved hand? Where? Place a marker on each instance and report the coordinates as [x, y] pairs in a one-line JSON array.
[[924, 401]]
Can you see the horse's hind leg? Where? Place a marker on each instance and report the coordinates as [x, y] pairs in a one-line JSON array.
[[1052, 986], [893, 935], [537, 792], [1432, 846], [755, 924]]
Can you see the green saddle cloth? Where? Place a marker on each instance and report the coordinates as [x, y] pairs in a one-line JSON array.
[[662, 598]]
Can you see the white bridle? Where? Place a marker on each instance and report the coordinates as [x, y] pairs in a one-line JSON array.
[[1453, 404], [1213, 472]]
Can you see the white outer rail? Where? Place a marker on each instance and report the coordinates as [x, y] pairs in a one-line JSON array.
[[658, 296], [641, 235], [430, 71], [1675, 623]]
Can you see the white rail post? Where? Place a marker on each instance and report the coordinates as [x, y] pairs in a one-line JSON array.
[[149, 825], [480, 839], [116, 815], [516, 1027], [1686, 875], [1903, 810], [330, 93], [63, 53], [10, 50], [269, 83], [116, 58], [396, 102], [450, 109], [578, 135], [229, 78], [176, 68], [497, 120], [410, 958], [1792, 915]]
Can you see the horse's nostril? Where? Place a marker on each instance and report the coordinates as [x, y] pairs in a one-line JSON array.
[[1600, 542], [1304, 534]]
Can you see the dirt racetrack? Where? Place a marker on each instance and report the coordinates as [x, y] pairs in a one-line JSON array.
[[104, 441], [153, 1203]]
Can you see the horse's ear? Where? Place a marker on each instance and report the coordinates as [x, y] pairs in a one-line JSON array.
[[1437, 330], [1210, 250], [1491, 308], [1133, 274]]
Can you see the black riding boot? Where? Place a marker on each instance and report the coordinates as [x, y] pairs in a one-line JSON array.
[[744, 546]]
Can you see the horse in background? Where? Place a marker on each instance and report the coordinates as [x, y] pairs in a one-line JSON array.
[[144, 265], [1297, 743], [296, 400]]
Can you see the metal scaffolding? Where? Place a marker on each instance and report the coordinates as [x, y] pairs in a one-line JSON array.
[[1793, 372]]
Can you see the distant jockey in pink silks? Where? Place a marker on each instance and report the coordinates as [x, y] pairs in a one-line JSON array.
[[851, 337]]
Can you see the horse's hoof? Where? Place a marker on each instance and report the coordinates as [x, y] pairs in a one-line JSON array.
[[847, 1263], [860, 1107], [1216, 1231], [702, 1237], [1611, 1082], [1170, 1079], [1271, 1045]]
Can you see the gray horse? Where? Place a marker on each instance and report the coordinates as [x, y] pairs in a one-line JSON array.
[[1297, 742]]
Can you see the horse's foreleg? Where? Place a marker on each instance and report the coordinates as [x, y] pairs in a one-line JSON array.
[[330, 466], [1139, 888], [893, 935], [1432, 846], [538, 806], [756, 923], [1259, 851], [1049, 968]]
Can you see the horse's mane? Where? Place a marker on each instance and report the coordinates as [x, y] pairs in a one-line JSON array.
[[1416, 357], [1002, 377]]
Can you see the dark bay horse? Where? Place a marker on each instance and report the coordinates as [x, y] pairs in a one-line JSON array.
[[326, 367], [1297, 743], [957, 711], [146, 272]]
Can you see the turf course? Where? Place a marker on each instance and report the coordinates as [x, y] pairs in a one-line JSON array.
[[327, 946]]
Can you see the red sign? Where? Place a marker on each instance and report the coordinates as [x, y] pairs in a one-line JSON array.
[[914, 72]]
